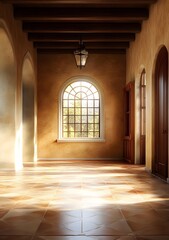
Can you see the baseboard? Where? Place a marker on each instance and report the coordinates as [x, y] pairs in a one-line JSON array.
[[79, 159]]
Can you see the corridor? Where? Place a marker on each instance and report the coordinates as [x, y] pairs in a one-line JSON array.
[[83, 200]]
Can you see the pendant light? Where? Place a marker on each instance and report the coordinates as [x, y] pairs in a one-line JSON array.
[[81, 55]]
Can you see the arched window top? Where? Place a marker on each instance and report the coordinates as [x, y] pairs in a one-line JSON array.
[[81, 90], [80, 111], [143, 78]]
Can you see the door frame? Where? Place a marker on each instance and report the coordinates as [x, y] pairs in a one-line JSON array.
[[157, 59]]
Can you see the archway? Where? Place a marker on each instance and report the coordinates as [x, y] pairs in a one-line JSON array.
[[7, 101], [160, 163], [140, 116], [28, 111]]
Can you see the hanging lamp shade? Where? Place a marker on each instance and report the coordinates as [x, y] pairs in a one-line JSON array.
[[81, 55]]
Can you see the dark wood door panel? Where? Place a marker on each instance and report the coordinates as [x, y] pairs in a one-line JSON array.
[[161, 115], [129, 123]]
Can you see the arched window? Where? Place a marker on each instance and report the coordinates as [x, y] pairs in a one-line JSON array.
[[143, 117], [143, 102], [80, 111]]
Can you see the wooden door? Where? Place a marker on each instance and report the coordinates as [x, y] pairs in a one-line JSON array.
[[142, 117], [160, 167], [129, 123]]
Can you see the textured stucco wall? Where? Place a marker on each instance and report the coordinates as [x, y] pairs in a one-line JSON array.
[[142, 54], [108, 71]]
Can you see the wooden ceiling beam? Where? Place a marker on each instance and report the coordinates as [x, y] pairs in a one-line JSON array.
[[70, 51], [94, 45], [56, 26], [84, 2], [75, 37], [81, 27], [80, 14]]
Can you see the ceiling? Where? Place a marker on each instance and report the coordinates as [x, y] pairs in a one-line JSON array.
[[105, 26]]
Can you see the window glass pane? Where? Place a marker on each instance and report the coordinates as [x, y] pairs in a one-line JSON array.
[[96, 95], [89, 92], [65, 119], [71, 103], [78, 134], [84, 111], [90, 127], [86, 84], [143, 103], [77, 89], [85, 90], [84, 134], [83, 95], [90, 119], [96, 103], [90, 111], [77, 127], [72, 94], [65, 127], [91, 97], [65, 134], [96, 119], [71, 111], [65, 111], [90, 134], [142, 121], [143, 97], [90, 103], [96, 134], [68, 89], [65, 103], [79, 95], [77, 103], [96, 127], [71, 119], [96, 111], [78, 111], [71, 135], [71, 128], [65, 95], [78, 119], [93, 89], [75, 84], [84, 127], [84, 103], [84, 119]]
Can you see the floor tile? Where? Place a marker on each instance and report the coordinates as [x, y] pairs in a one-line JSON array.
[[83, 200]]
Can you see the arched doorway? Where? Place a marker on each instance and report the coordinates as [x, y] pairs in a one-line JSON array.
[[143, 117], [160, 163], [28, 111], [7, 101]]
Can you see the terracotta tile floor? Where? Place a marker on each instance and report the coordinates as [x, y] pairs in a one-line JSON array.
[[83, 200]]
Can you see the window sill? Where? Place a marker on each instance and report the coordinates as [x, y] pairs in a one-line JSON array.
[[81, 140]]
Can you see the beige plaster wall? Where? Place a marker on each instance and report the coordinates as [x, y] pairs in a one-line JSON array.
[[108, 72], [11, 146], [28, 112], [142, 54]]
